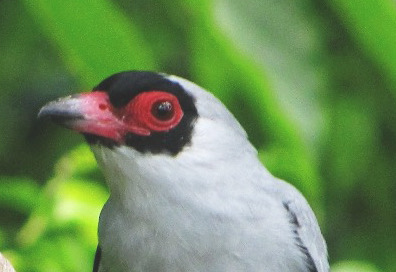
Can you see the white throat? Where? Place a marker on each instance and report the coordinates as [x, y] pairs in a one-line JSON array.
[[164, 211]]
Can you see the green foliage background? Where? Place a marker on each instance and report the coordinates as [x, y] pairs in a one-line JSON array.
[[312, 81]]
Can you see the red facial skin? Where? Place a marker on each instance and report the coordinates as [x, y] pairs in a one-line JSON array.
[[99, 117]]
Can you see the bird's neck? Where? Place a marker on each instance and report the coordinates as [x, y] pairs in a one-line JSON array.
[[159, 181], [177, 205]]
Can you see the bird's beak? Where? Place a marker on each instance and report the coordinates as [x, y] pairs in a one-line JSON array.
[[87, 113]]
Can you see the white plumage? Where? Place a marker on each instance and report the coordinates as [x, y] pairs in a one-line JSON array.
[[212, 207]]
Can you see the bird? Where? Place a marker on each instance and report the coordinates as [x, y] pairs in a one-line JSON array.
[[187, 189]]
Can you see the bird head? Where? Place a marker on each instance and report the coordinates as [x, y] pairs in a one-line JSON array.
[[153, 123]]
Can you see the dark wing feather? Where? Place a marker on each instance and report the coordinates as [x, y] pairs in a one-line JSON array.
[[296, 226], [305, 227], [97, 259]]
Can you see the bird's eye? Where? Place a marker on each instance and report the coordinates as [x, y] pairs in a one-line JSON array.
[[153, 111], [163, 110]]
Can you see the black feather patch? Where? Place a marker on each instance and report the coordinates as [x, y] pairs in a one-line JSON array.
[[296, 225], [124, 86], [98, 254]]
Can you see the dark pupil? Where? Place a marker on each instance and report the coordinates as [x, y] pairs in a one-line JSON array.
[[163, 110]]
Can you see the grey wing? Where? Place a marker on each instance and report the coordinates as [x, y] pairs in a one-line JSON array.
[[307, 232]]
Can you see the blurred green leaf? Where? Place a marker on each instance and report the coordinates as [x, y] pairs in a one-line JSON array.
[[309, 81], [372, 23], [79, 161], [79, 202], [354, 266], [65, 190], [18, 193], [237, 74], [95, 38], [289, 48], [65, 218], [350, 154]]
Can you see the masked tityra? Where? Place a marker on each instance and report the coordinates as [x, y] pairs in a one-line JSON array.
[[187, 191]]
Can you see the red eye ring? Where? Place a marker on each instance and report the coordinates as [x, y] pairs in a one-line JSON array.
[[154, 111]]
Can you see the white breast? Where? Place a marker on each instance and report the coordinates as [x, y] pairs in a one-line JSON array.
[[155, 220]]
